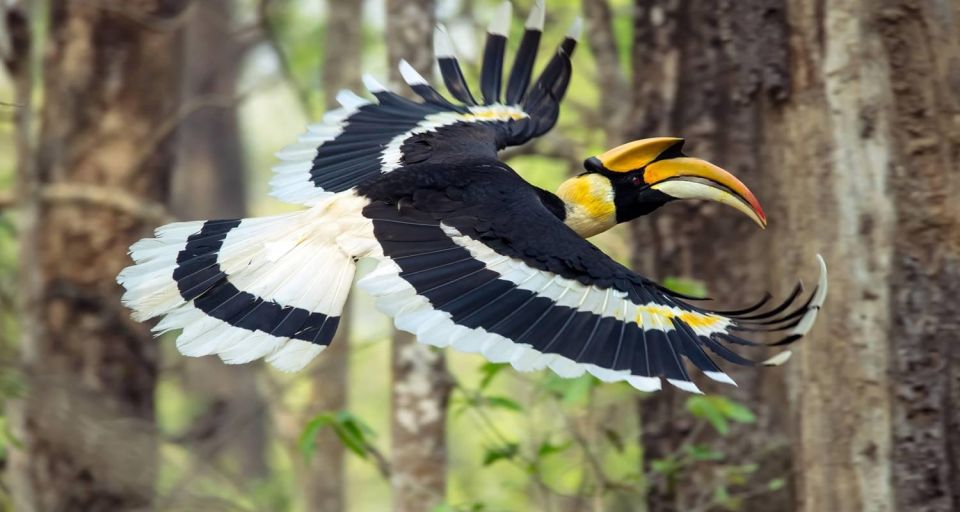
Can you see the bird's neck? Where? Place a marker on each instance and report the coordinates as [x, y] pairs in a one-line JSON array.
[[588, 201]]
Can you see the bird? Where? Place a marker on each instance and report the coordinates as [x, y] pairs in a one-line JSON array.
[[469, 254]]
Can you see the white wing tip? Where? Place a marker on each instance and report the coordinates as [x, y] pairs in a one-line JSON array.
[[350, 100], [411, 76], [442, 44], [536, 17], [500, 24], [648, 384], [778, 359], [576, 29], [821, 294], [372, 84], [720, 377], [685, 385], [808, 319]]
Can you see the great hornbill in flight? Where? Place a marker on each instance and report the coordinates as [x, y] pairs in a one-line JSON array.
[[470, 255]]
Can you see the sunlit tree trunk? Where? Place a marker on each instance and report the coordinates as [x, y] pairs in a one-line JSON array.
[[101, 170], [324, 481], [210, 183], [871, 138], [421, 386], [843, 118]]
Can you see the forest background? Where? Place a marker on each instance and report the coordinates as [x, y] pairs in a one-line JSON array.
[[117, 116]]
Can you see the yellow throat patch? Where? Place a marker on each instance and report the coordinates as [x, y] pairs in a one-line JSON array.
[[589, 202]]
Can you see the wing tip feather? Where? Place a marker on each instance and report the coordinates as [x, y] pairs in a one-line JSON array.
[[576, 29], [410, 75], [442, 43], [500, 23], [537, 16]]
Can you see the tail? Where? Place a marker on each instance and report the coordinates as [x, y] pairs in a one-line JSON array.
[[243, 289]]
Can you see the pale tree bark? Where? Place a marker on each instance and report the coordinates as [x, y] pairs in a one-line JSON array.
[[878, 118], [834, 143], [713, 73], [87, 419], [324, 480], [421, 386], [210, 183], [846, 125]]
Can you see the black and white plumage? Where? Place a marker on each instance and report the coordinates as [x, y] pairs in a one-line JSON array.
[[470, 255], [365, 138]]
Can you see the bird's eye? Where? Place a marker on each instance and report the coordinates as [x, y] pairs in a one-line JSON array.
[[636, 180]]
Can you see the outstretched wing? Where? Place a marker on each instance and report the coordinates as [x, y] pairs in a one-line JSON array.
[[483, 266], [365, 138]]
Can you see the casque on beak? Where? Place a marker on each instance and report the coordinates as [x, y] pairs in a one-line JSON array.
[[666, 169]]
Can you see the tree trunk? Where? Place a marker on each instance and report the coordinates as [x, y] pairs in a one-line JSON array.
[[922, 45], [844, 118], [421, 385], [700, 69], [324, 481], [101, 169], [877, 112], [210, 183], [610, 76]]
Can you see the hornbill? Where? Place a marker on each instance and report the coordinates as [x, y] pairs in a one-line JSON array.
[[470, 254]]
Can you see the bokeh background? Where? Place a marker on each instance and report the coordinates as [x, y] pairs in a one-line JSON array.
[[117, 116]]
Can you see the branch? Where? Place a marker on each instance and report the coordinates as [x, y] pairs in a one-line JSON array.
[[187, 108], [270, 35], [613, 81], [147, 20], [383, 465], [109, 197]]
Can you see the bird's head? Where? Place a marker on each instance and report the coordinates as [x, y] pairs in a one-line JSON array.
[[638, 177]]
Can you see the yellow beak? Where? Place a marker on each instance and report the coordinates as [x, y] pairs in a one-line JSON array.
[[692, 178]]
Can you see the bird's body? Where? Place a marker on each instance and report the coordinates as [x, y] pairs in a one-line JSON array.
[[469, 254]]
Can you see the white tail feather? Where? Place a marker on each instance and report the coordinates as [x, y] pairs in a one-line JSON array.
[[278, 265]]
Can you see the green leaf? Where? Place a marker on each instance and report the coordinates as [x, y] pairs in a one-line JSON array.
[[548, 448], [307, 443], [505, 452], [705, 407], [702, 452], [686, 286], [718, 410], [502, 402], [667, 466], [776, 484], [351, 431], [489, 371], [736, 412]]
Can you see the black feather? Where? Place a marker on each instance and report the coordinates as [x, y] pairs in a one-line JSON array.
[[454, 80], [492, 70], [522, 69]]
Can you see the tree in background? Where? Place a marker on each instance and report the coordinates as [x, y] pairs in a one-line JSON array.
[[421, 386], [325, 479], [99, 176], [210, 183], [843, 120], [713, 74]]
